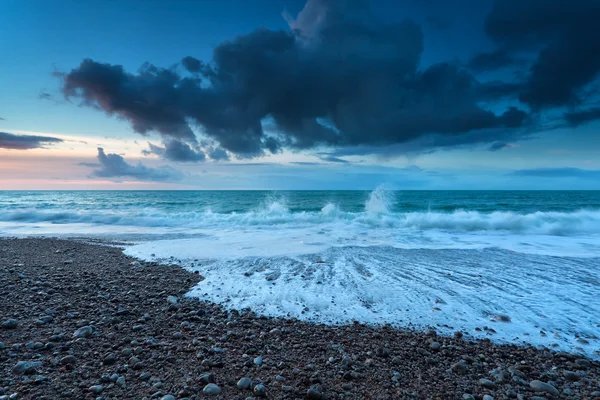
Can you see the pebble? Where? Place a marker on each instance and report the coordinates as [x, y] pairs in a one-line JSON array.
[[211, 389], [168, 397], [571, 376], [207, 378], [244, 383], [26, 367], [382, 352], [435, 346], [313, 394], [260, 390], [258, 361], [539, 386], [70, 359], [486, 383], [121, 382], [110, 359], [96, 389], [10, 324], [83, 332], [459, 368], [487, 397], [172, 299]]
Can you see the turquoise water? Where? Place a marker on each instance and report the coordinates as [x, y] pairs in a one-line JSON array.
[[449, 259]]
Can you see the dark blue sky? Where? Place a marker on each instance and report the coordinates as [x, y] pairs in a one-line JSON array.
[[355, 94]]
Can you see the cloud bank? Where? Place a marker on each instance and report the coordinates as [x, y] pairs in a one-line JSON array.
[[338, 78], [25, 142], [113, 166]]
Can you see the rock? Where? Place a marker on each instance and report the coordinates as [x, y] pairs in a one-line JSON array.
[[467, 396], [486, 383], [571, 376], [1, 345], [68, 360], [539, 386], [96, 389], [26, 367], [110, 359], [168, 397], [211, 389], [121, 382], [313, 394], [435, 346], [260, 390], [83, 332], [172, 299], [258, 361], [207, 378], [10, 324], [382, 352], [244, 383], [459, 368], [488, 397]]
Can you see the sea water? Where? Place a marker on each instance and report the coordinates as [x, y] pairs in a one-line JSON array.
[[513, 266]]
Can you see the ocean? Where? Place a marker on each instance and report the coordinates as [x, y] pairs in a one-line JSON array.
[[512, 266]]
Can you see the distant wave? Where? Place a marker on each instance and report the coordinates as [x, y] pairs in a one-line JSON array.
[[376, 214]]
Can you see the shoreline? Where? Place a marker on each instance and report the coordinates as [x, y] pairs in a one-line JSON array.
[[139, 337]]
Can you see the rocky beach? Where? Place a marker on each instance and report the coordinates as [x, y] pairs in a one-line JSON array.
[[81, 320]]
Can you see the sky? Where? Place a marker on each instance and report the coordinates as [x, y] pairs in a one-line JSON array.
[[300, 94]]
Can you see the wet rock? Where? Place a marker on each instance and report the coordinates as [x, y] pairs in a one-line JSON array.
[[382, 352], [459, 368], [260, 390], [121, 382], [487, 397], [539, 386], [207, 378], [96, 389], [571, 376], [486, 383], [435, 346], [68, 360], [83, 332], [211, 389], [258, 361], [26, 367], [313, 394], [168, 397], [244, 383], [110, 359], [10, 324]]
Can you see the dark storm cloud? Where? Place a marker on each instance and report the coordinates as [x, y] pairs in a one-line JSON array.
[[338, 78], [25, 142], [176, 150], [490, 61], [559, 173], [114, 166], [576, 118], [563, 38]]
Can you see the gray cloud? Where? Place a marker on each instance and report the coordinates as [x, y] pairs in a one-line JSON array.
[[563, 39], [576, 118], [176, 150], [114, 166], [338, 78], [25, 142]]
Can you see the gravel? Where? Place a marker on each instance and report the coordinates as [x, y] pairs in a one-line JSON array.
[[121, 328]]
